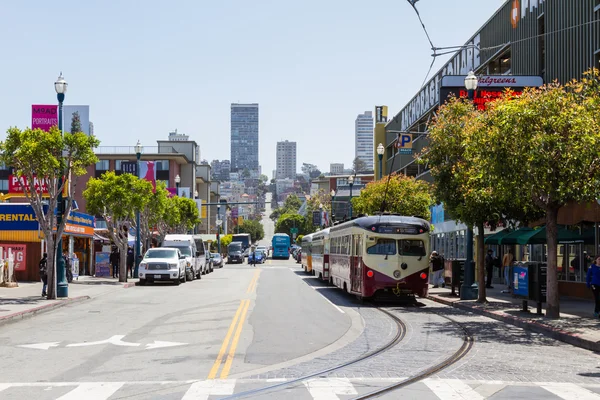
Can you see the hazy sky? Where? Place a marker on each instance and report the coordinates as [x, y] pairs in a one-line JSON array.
[[146, 68]]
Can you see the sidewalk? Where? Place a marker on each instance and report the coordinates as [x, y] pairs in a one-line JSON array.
[[26, 300], [576, 326]]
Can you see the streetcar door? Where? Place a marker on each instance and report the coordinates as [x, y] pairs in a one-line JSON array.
[[355, 264]]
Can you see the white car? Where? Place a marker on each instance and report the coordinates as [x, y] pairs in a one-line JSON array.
[[264, 250], [163, 264]]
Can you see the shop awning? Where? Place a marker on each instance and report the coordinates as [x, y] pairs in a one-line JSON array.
[[100, 238], [495, 238], [538, 236]]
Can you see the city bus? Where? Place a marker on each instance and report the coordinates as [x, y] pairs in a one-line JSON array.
[[281, 246]]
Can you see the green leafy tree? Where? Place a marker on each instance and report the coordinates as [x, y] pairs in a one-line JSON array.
[[544, 146], [188, 214], [170, 219], [154, 213], [358, 166], [254, 228], [291, 204], [75, 123], [41, 159], [405, 196], [288, 221], [263, 178], [225, 241], [117, 198]]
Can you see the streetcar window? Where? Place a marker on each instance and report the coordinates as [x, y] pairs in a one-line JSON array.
[[411, 247], [383, 246]]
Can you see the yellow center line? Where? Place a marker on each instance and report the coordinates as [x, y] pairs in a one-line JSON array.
[[215, 368], [252, 284], [234, 343]]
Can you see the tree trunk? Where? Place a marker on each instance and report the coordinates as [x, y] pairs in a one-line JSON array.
[[481, 297], [123, 262], [552, 298], [51, 267]]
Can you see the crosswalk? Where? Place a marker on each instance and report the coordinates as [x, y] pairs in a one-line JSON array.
[[316, 389]]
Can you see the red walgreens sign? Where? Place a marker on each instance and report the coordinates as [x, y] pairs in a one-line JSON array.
[[15, 184], [18, 252]]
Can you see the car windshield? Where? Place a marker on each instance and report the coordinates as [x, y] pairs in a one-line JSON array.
[[161, 253], [185, 250]]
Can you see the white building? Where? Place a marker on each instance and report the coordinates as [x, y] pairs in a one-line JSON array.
[[178, 137], [286, 160], [363, 134], [336, 168]]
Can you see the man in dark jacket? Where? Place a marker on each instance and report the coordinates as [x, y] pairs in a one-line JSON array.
[[44, 273], [130, 261], [437, 268], [489, 267], [115, 261]]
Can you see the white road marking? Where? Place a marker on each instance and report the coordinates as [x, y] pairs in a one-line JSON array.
[[92, 391], [40, 346], [116, 340], [4, 386], [158, 344], [329, 388], [329, 301], [452, 389], [201, 390], [570, 391]]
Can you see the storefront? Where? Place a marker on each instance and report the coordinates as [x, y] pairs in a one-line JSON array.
[[20, 234]]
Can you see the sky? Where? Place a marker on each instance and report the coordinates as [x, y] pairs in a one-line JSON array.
[[147, 68]]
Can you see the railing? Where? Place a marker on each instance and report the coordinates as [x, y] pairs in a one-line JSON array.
[[131, 150]]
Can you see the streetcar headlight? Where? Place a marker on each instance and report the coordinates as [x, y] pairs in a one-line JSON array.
[[397, 274]]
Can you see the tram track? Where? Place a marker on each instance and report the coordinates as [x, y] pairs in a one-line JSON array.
[[398, 337]]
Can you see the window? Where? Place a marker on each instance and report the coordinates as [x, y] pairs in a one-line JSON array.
[[162, 165], [542, 43], [102, 165], [411, 247], [118, 164], [383, 246], [4, 184], [500, 65]]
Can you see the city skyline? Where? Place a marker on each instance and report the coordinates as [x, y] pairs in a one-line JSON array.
[[304, 87]]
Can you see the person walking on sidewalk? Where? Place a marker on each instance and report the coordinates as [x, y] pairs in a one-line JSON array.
[[44, 273], [489, 267], [507, 261], [437, 267], [130, 261], [114, 261], [593, 282]]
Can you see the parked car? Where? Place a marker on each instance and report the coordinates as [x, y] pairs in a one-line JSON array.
[[195, 257], [163, 264], [259, 255], [264, 249], [299, 256], [216, 260]]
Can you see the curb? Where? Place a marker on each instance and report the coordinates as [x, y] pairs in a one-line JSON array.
[[127, 285], [41, 309], [124, 285], [534, 326]]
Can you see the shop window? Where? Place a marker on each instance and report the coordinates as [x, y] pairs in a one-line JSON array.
[[3, 184], [102, 165]]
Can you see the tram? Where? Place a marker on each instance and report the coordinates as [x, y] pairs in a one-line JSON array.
[[320, 254], [382, 256], [306, 253]]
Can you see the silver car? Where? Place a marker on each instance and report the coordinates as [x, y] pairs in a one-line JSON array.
[[163, 264]]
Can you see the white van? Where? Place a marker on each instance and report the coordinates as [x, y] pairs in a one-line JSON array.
[[195, 262], [203, 248]]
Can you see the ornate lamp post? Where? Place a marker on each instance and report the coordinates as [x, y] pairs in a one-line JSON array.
[[332, 205], [177, 182], [138, 249], [466, 292], [380, 151], [62, 286]]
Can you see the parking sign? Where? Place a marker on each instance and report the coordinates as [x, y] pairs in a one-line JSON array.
[[404, 143]]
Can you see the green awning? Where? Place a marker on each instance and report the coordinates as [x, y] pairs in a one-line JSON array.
[[495, 238], [538, 236]]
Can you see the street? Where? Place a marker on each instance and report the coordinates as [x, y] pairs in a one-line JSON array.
[[244, 328]]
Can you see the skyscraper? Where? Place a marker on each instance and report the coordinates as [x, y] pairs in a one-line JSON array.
[[220, 170], [286, 160], [244, 137], [363, 133]]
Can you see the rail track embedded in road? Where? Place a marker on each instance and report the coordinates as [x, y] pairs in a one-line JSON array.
[[400, 334]]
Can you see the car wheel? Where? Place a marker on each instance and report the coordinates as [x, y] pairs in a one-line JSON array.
[[177, 281], [184, 277], [192, 275], [142, 282]]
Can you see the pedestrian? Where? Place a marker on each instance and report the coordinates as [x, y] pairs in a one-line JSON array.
[[130, 261], [437, 267], [507, 261], [44, 273], [593, 282], [115, 261], [489, 267], [68, 268]]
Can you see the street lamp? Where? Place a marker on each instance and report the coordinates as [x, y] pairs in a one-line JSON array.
[[351, 183], [467, 292], [62, 286], [219, 222], [138, 249], [321, 215], [195, 225], [332, 205], [177, 182], [380, 151]]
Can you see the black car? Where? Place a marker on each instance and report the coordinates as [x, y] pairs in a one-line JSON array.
[[235, 257]]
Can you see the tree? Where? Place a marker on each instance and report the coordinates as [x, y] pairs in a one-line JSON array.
[[288, 221], [157, 211], [545, 146], [292, 204], [169, 220], [41, 159], [358, 166], [405, 196], [75, 123], [188, 214], [225, 241], [246, 173], [263, 178], [311, 170], [117, 198], [254, 228]]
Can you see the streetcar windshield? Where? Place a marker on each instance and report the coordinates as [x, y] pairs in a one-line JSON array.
[[383, 247], [410, 247]]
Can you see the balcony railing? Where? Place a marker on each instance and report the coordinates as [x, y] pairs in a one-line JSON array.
[[131, 150]]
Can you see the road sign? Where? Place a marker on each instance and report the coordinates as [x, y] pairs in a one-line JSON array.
[[293, 231], [404, 143]]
